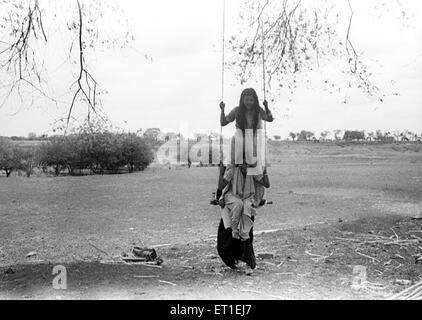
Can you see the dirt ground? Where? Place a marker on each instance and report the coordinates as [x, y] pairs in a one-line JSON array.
[[335, 207]]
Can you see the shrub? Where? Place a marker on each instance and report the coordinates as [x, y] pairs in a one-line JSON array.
[[55, 153], [99, 152], [354, 135], [28, 159], [136, 153], [78, 152], [9, 157]]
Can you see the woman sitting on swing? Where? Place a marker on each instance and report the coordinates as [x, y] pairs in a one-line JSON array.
[[243, 192]]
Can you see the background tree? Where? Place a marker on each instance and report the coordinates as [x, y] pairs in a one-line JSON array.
[[9, 157], [396, 135], [388, 138], [136, 154], [277, 138], [55, 153], [28, 160], [32, 136], [404, 136], [78, 147], [411, 135], [305, 135], [385, 137], [152, 135], [14, 157], [293, 135], [371, 136], [354, 135], [324, 135], [379, 135], [338, 134]]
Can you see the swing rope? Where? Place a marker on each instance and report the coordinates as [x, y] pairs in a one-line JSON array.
[[223, 75], [264, 80]]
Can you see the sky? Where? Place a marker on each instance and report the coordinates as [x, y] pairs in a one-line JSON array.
[[180, 89]]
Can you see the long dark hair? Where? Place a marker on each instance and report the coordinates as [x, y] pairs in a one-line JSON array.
[[241, 114]]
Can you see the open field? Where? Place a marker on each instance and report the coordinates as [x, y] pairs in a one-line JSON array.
[[341, 202]]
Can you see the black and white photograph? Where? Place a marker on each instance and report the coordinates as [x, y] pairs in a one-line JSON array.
[[210, 151]]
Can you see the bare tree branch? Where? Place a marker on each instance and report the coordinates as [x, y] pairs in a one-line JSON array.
[[23, 35], [89, 80]]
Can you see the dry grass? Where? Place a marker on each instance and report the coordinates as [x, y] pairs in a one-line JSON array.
[[312, 188]]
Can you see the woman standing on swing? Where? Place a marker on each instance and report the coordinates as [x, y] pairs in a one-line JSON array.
[[249, 114], [243, 193]]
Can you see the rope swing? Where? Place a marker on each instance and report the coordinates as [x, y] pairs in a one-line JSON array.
[[222, 167], [264, 80]]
